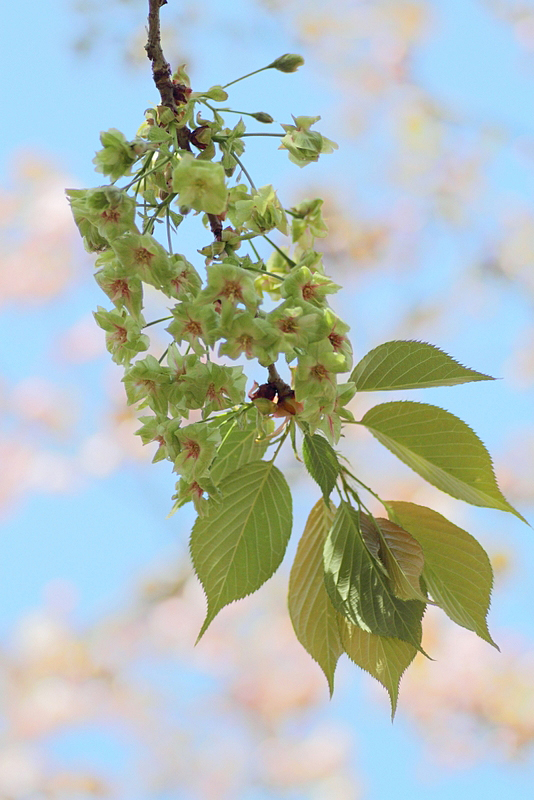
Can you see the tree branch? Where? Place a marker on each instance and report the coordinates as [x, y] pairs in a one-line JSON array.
[[282, 388], [161, 70]]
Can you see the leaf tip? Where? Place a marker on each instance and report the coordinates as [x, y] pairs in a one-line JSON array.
[[205, 625], [330, 681]]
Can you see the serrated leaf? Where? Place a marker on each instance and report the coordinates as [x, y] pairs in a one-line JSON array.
[[397, 552], [359, 589], [321, 462], [410, 365], [314, 619], [457, 569], [383, 657], [441, 448], [241, 542], [403, 558], [238, 447]]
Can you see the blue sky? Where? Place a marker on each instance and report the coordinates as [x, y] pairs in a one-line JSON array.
[[103, 536]]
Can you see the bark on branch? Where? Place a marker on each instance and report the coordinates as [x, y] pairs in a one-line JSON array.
[[282, 388], [161, 70]]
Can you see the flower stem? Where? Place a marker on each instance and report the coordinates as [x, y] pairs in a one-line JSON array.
[[279, 250], [141, 175], [244, 169], [242, 135], [248, 75], [281, 442], [155, 322]]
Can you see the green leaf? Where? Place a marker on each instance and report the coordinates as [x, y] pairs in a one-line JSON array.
[[441, 448], [241, 542], [358, 587], [238, 447], [410, 365], [384, 657], [457, 569], [401, 554], [314, 619], [321, 462]]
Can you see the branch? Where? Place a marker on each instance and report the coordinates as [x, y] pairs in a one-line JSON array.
[[216, 226], [282, 388], [161, 70]]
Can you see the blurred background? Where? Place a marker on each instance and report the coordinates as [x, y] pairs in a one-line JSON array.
[[430, 205]]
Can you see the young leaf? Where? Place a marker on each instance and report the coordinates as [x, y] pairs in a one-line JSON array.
[[240, 543], [321, 462], [384, 657], [457, 569], [358, 587], [441, 448], [401, 554], [238, 447], [410, 365], [314, 619]]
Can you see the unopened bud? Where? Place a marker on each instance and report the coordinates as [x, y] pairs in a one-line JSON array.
[[261, 116], [265, 406], [289, 62]]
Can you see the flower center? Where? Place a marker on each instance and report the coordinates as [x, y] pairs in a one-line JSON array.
[[308, 290], [336, 340], [193, 448], [120, 335], [319, 372], [194, 327], [120, 288], [288, 325], [110, 215], [143, 256], [232, 290]]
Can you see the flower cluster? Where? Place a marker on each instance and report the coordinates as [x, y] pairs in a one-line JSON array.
[[241, 307]]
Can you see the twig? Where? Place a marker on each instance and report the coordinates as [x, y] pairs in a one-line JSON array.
[[216, 226], [161, 70]]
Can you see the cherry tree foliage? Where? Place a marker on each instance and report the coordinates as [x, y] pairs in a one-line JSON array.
[[64, 677]]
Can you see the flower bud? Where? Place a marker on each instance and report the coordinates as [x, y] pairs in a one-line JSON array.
[[265, 406], [261, 116], [289, 62]]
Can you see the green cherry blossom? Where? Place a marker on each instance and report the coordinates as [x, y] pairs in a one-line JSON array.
[[304, 145], [182, 280], [252, 337], [315, 375], [334, 332], [117, 155], [296, 325], [308, 223], [261, 211], [153, 429], [303, 285], [195, 323], [148, 381], [231, 285], [213, 387], [124, 339], [198, 445], [112, 211], [200, 185], [122, 288], [143, 256], [93, 240], [329, 417]]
